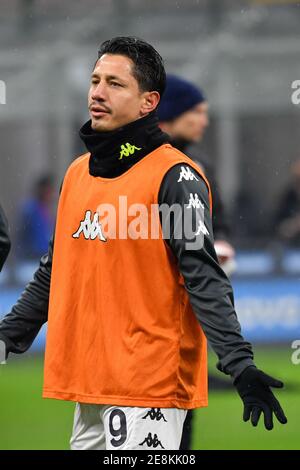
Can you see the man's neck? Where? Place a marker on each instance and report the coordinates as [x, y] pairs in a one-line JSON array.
[[114, 152]]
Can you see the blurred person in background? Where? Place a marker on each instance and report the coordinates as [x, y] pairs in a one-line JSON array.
[[183, 114], [287, 219], [4, 238], [128, 316], [36, 219]]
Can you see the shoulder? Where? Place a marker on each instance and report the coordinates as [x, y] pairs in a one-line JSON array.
[[182, 181], [173, 155], [184, 175], [78, 164], [79, 161]]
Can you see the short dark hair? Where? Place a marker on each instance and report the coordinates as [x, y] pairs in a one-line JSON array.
[[148, 70]]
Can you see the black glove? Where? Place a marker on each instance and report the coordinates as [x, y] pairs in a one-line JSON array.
[[253, 386]]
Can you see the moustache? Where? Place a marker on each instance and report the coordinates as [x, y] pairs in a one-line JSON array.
[[99, 105]]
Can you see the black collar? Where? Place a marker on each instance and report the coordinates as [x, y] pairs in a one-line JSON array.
[[114, 152]]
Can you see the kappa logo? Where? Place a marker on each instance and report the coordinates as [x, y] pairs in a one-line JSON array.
[[152, 441], [155, 413], [202, 228], [186, 173], [90, 229], [127, 150], [195, 202]]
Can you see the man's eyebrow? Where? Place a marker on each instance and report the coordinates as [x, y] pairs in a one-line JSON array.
[[108, 77]]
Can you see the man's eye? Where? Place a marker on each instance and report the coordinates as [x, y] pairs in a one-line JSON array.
[[115, 84], [94, 82]]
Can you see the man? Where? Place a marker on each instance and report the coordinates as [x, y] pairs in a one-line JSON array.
[[124, 338], [287, 217], [36, 219], [183, 114], [4, 238]]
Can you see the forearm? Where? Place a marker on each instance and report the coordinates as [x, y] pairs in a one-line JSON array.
[[19, 328], [213, 307], [4, 238]]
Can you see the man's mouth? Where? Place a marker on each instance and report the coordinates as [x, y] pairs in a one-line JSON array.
[[98, 111]]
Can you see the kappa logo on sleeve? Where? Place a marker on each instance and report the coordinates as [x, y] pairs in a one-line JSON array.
[[202, 229], [195, 202], [91, 229], [187, 174]]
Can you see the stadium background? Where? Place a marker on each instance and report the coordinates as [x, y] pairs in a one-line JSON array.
[[245, 55]]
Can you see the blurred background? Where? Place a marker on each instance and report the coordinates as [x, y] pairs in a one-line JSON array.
[[245, 55]]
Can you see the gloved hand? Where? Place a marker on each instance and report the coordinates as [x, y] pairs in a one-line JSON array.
[[253, 386]]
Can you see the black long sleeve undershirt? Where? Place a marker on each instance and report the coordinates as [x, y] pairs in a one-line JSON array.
[[209, 289], [4, 238]]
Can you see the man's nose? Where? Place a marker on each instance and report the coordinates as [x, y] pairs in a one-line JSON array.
[[99, 92]]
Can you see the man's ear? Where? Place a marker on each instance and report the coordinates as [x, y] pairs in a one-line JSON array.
[[150, 102]]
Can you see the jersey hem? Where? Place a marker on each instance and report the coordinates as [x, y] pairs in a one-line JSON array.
[[125, 401]]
